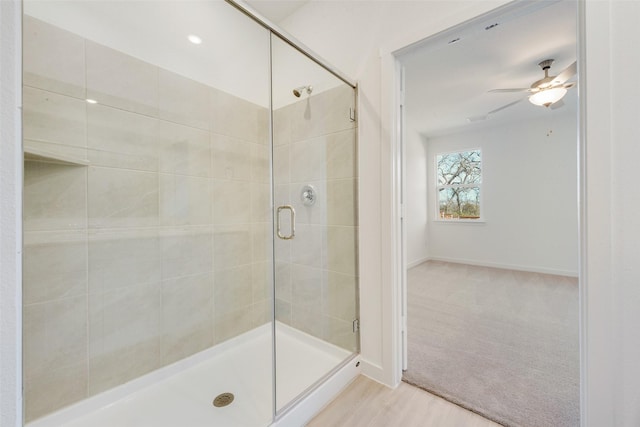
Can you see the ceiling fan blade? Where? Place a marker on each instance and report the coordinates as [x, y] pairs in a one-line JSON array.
[[504, 106], [477, 118], [569, 85], [566, 74], [524, 89], [557, 105], [488, 115]]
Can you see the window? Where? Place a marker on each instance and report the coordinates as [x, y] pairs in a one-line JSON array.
[[459, 183]]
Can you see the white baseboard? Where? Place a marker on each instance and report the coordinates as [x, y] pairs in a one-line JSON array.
[[417, 262], [531, 269], [376, 373]]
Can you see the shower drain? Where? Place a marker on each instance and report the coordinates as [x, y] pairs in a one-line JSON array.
[[223, 399]]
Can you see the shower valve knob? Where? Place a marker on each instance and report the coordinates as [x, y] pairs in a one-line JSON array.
[[308, 195]]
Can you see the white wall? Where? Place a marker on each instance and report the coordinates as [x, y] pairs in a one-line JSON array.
[[10, 213], [416, 197], [625, 206], [528, 197], [359, 29]]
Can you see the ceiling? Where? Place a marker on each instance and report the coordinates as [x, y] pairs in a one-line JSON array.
[[446, 83], [276, 10]]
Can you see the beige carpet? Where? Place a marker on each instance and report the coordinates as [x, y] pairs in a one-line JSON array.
[[501, 343]]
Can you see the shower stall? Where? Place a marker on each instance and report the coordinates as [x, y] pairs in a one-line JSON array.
[[190, 216]]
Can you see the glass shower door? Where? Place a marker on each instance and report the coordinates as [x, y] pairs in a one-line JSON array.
[[315, 231]]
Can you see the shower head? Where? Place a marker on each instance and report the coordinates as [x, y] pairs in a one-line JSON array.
[[299, 90]]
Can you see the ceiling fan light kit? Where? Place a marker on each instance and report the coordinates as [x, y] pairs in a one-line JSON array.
[[546, 97], [546, 91]]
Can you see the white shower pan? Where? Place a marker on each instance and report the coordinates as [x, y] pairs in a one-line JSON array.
[[182, 394]]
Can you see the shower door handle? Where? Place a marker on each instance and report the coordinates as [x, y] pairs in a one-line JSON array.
[[293, 222]]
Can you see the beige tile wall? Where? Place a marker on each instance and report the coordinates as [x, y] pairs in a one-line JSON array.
[[150, 241], [316, 272]]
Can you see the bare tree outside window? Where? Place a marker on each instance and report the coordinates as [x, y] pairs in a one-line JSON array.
[[459, 178]]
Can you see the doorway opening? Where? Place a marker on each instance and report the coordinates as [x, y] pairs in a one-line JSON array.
[[489, 260]]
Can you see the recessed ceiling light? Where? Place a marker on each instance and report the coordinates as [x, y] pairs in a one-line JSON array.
[[91, 101], [194, 39]]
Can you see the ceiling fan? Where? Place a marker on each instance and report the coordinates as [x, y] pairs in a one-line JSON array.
[[546, 92]]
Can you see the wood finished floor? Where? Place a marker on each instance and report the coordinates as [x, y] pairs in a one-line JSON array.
[[366, 403]]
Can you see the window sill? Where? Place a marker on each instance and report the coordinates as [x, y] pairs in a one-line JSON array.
[[459, 221]]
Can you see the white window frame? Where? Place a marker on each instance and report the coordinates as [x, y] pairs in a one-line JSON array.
[[437, 187]]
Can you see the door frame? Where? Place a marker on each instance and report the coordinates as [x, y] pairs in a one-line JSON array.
[[395, 263]]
